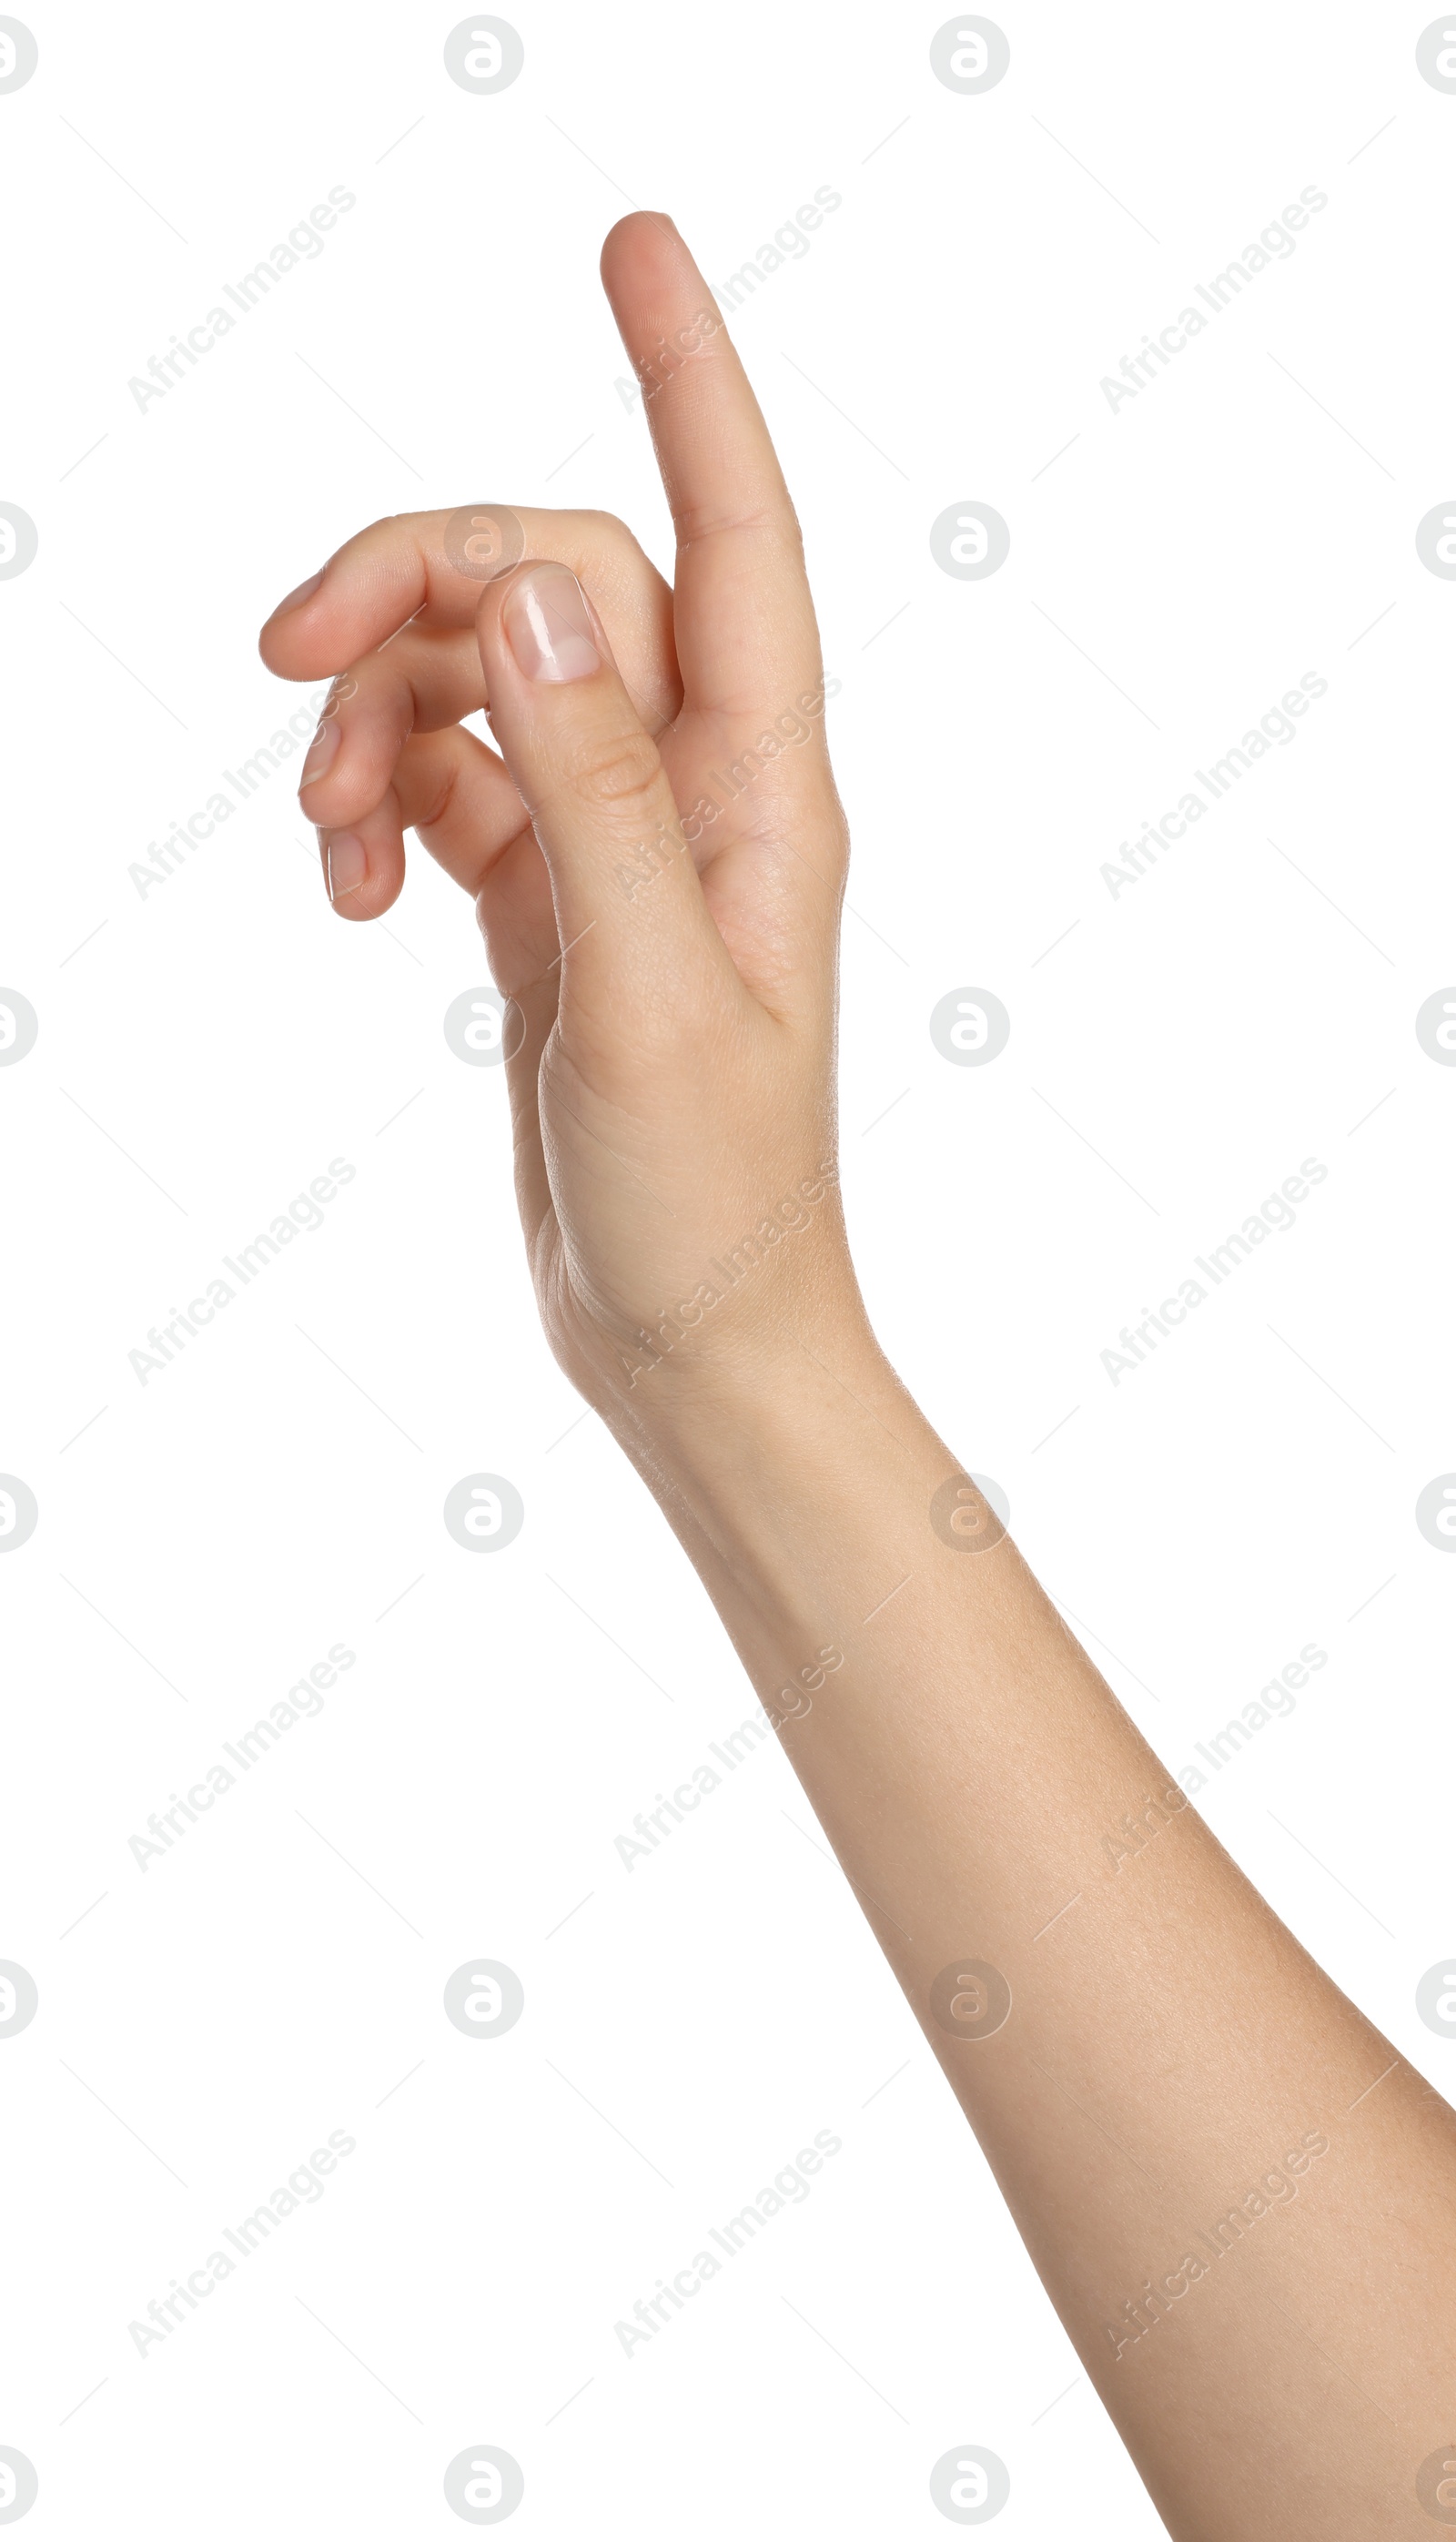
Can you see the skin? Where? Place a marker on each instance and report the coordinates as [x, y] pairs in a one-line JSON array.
[[1171, 2055]]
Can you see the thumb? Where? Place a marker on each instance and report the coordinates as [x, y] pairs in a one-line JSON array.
[[635, 927]]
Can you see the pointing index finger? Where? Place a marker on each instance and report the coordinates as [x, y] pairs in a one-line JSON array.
[[744, 621]]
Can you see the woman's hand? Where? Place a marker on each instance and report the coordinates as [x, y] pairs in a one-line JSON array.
[[1154, 2067], [657, 858]]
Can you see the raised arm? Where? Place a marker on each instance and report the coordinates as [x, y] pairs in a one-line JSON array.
[[1240, 2200]]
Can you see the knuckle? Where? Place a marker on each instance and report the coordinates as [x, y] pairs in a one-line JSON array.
[[616, 775], [434, 779], [613, 547]]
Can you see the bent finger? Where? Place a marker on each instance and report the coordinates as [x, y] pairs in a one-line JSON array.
[[424, 683], [459, 799], [434, 566]]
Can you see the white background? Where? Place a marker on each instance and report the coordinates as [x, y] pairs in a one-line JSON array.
[[204, 1051]]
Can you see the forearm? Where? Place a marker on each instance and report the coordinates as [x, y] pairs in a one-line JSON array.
[[1168, 2044], [1243, 2205]]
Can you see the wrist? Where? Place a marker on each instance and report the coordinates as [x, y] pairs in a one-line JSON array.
[[750, 1445], [806, 1491], [721, 1395]]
